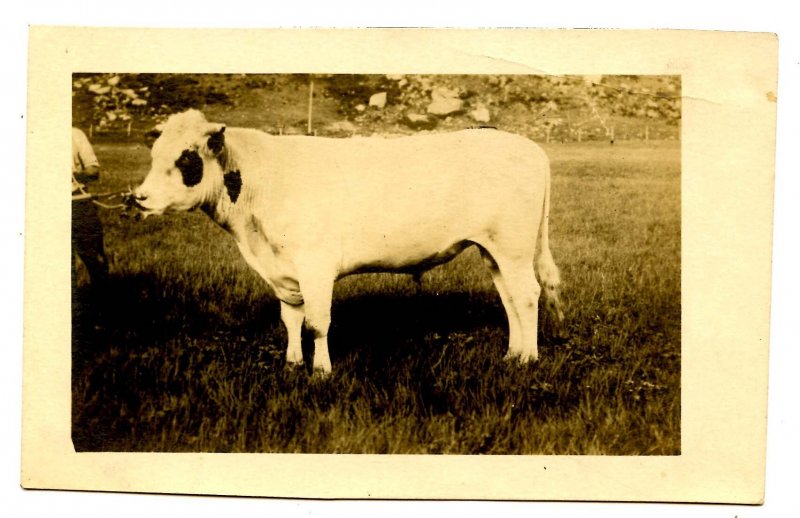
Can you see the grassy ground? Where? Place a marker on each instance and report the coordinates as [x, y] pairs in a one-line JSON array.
[[188, 355]]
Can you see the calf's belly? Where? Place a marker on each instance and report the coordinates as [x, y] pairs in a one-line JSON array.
[[391, 255]]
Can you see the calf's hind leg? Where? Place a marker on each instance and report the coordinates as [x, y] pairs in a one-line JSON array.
[[524, 291], [514, 324], [519, 290]]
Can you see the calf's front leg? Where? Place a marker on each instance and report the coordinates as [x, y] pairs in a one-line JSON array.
[[317, 289], [292, 317]]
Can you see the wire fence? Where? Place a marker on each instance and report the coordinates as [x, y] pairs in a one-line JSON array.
[[552, 130]]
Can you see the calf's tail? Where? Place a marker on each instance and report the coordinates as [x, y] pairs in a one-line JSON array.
[[545, 267]]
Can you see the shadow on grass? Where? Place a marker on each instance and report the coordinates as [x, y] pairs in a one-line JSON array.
[[141, 308], [388, 323]]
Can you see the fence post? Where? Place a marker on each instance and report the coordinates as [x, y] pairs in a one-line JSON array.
[[310, 104]]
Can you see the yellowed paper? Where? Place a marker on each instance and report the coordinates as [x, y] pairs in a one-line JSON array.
[[727, 146]]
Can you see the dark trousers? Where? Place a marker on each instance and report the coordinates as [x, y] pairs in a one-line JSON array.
[[88, 301], [87, 244], [87, 240]]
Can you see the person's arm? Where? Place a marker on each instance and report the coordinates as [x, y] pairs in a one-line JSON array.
[[89, 166]]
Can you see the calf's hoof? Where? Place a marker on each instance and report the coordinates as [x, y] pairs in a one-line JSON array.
[[294, 366], [322, 370], [520, 358]]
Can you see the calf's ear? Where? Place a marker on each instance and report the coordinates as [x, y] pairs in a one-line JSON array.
[[151, 136], [216, 138]]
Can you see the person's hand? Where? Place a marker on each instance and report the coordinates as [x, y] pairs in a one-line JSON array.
[[89, 174]]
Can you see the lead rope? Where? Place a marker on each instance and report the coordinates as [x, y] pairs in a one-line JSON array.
[[83, 194]]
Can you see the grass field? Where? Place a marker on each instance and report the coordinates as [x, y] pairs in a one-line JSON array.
[[188, 353]]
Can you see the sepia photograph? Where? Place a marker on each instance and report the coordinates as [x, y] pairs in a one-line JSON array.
[[335, 264], [385, 264]]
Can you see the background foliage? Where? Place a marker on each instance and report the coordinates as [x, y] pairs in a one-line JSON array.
[[564, 108]]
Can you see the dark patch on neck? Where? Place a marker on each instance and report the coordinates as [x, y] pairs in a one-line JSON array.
[[233, 183], [191, 167]]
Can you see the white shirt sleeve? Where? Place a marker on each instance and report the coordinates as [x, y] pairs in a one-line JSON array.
[[83, 155]]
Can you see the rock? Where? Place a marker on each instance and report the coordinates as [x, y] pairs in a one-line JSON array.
[[360, 108], [419, 121], [344, 127], [292, 130], [445, 101], [378, 100], [443, 92], [480, 114], [445, 106], [99, 90]]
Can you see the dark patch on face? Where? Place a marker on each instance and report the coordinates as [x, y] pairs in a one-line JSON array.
[[233, 183], [191, 167], [217, 141]]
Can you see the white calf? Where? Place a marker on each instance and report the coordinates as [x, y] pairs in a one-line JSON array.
[[305, 211]]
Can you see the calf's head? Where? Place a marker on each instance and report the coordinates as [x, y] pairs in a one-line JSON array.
[[185, 170]]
